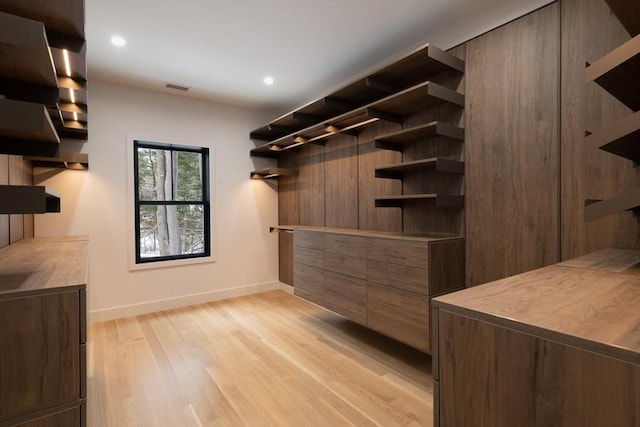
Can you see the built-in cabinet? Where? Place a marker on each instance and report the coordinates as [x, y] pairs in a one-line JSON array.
[[382, 281], [43, 332]]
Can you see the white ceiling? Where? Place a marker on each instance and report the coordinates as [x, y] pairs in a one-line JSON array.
[[222, 49]]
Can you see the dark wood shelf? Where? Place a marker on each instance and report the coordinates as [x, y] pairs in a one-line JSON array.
[[628, 13], [623, 202], [621, 138], [441, 200], [397, 140], [26, 128], [27, 70], [76, 161], [393, 108], [410, 70], [618, 71], [28, 199], [397, 171], [273, 173]]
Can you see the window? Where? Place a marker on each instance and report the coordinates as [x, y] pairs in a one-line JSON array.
[[171, 201]]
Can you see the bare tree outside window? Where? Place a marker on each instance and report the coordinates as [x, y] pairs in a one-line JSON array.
[[172, 201]]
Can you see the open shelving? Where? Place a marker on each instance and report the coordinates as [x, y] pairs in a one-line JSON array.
[[628, 201], [76, 161], [441, 200], [628, 13], [273, 173], [26, 128], [621, 138], [397, 171], [396, 141], [28, 199]]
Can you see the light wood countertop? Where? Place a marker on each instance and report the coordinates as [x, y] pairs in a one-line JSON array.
[[42, 265], [591, 302], [366, 233]]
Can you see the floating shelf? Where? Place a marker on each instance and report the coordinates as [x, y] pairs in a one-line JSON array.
[[441, 200], [272, 173], [28, 199], [393, 108], [397, 171], [621, 138], [628, 13], [76, 161], [414, 68], [397, 140], [26, 128], [623, 202], [27, 70], [618, 71]]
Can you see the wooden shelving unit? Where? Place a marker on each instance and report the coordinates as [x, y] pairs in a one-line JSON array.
[[272, 173], [76, 161], [441, 200], [28, 199], [397, 140], [617, 73], [398, 170], [26, 128]]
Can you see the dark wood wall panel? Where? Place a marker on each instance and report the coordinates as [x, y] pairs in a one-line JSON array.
[[4, 219], [311, 185], [14, 170], [341, 182], [288, 201], [511, 143], [369, 158], [589, 32]]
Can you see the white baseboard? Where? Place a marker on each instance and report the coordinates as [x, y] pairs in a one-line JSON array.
[[183, 301], [286, 288]]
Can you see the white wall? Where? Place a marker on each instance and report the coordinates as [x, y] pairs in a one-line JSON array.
[[94, 202]]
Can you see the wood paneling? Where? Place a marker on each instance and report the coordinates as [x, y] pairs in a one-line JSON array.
[[313, 257], [67, 418], [308, 239], [288, 199], [345, 244], [285, 256], [494, 376], [346, 296], [589, 32], [311, 180], [4, 219], [17, 176], [369, 158], [308, 282], [447, 272], [410, 279], [345, 264], [341, 182], [511, 141], [410, 252]]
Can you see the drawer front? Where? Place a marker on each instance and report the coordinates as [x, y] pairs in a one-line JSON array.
[[344, 244], [410, 279], [411, 253], [347, 297], [345, 264], [67, 418], [399, 315], [308, 283], [313, 257], [308, 239]]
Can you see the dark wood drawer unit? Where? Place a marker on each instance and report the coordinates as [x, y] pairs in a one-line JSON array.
[[43, 332], [380, 280]]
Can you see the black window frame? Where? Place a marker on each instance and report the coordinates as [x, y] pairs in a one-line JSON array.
[[205, 202]]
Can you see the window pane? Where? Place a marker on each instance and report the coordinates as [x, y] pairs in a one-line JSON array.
[[154, 174], [188, 176], [171, 230]]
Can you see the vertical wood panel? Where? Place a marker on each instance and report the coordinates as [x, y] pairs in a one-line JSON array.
[[511, 146], [16, 177], [589, 32], [28, 219], [288, 202], [4, 219], [341, 182], [369, 158], [311, 185], [285, 255]]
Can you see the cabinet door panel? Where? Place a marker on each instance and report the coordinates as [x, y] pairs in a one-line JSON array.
[[67, 418], [411, 253], [308, 283], [410, 279], [346, 245], [347, 297], [399, 315], [39, 352], [345, 264], [308, 239], [308, 256]]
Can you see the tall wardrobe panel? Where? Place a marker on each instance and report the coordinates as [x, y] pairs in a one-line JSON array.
[[341, 182], [311, 180], [369, 158], [590, 31], [512, 147], [4, 218]]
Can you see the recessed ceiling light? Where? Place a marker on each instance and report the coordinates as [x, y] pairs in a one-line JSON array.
[[118, 41], [268, 80]]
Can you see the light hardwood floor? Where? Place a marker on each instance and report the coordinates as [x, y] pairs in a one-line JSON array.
[[266, 359]]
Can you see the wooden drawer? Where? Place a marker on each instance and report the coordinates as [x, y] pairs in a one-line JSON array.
[[347, 297], [313, 257], [308, 239], [67, 418], [344, 244], [345, 264], [399, 315], [410, 279], [308, 283], [411, 253]]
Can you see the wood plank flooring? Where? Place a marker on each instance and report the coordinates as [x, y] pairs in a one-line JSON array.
[[269, 359]]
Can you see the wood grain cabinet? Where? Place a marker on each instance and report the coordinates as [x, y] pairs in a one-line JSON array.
[[554, 346], [380, 280], [43, 332]]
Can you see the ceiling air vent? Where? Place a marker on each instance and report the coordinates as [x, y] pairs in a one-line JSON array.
[[176, 87]]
